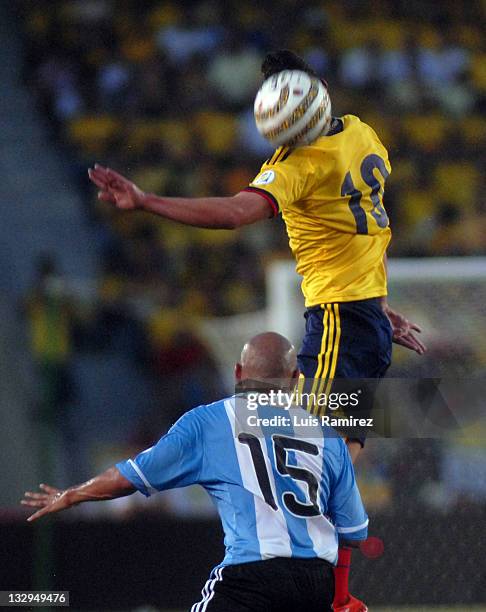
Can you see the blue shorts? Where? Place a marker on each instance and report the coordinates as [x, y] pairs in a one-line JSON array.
[[345, 343]]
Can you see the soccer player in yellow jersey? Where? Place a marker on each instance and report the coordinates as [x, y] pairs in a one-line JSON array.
[[339, 249], [330, 195]]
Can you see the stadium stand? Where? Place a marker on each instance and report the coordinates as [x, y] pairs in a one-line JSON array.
[[163, 92]]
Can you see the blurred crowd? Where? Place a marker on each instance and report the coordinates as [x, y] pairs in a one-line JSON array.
[[163, 92]]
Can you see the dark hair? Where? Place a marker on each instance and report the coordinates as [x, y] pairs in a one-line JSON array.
[[284, 59]]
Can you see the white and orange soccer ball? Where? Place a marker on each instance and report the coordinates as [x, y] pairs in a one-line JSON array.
[[292, 108]]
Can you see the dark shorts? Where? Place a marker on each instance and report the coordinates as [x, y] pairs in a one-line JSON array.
[[347, 346], [274, 585]]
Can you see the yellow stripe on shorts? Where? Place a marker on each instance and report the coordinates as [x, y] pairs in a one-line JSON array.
[[326, 325], [331, 360]]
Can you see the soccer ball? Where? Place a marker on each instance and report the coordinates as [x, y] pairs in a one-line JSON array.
[[292, 108]]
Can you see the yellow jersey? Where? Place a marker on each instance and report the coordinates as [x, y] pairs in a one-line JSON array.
[[330, 194]]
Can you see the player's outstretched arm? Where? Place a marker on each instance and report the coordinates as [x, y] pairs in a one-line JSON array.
[[216, 213], [108, 485]]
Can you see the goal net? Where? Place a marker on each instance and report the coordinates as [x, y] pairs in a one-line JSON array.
[[446, 296]]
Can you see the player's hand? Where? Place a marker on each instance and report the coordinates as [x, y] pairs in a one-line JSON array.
[[116, 189], [403, 331], [49, 501]]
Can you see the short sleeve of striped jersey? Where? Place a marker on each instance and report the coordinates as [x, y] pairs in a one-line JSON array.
[[175, 461], [345, 507], [284, 178]]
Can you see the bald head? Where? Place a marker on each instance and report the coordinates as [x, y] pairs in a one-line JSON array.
[[267, 356]]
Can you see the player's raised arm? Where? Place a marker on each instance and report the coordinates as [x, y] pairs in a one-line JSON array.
[[216, 213], [108, 485]]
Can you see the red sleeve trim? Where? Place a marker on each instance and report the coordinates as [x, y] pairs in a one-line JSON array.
[[268, 197]]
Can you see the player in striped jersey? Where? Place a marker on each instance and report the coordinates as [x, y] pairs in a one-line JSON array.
[[285, 493]]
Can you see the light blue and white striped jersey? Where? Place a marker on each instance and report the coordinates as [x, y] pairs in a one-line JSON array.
[[282, 489]]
